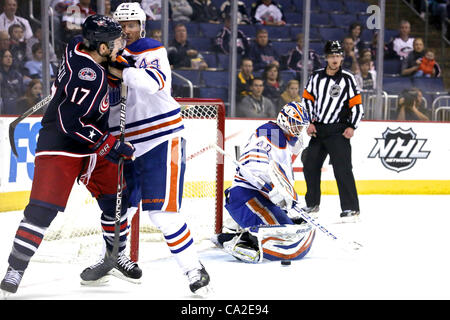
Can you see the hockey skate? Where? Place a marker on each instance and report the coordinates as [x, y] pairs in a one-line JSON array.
[[96, 278], [350, 216], [312, 211], [126, 269], [11, 281], [198, 281]]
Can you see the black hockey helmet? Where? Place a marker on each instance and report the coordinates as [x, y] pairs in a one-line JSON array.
[[333, 47], [99, 29]]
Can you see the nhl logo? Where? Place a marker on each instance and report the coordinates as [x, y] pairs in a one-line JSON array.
[[399, 149], [335, 91]]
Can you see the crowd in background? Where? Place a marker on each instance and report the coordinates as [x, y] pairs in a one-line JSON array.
[[260, 90]]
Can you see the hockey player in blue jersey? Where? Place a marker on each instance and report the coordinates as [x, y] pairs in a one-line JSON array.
[[269, 228], [155, 128], [75, 142]]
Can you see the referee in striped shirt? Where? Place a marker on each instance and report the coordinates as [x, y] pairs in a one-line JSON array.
[[334, 104]]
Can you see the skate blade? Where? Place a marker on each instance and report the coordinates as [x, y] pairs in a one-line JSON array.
[[116, 273], [95, 283], [204, 291], [354, 219], [5, 294]]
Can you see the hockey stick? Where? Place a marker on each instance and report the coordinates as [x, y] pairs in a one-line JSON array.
[[343, 243], [111, 256], [30, 111]]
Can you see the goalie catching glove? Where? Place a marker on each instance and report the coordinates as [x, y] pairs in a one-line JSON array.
[[112, 149]]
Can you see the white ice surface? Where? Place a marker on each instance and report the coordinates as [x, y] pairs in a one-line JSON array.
[[405, 256]]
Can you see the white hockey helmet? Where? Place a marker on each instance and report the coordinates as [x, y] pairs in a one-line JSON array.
[[292, 118], [130, 11]]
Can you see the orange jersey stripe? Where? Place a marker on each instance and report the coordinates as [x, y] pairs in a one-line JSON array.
[[355, 100], [151, 49], [172, 205], [308, 96], [158, 126]]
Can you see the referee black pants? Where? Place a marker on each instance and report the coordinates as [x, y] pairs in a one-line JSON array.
[[330, 141]]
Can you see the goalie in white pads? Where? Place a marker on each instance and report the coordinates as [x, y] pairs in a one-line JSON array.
[[271, 230], [154, 124]]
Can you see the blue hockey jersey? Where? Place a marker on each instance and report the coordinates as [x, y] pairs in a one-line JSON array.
[[77, 115]]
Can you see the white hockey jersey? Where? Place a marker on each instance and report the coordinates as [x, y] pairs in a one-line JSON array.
[[267, 143], [152, 115]]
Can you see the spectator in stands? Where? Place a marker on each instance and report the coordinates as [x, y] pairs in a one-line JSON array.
[[426, 67], [402, 45], [181, 53], [4, 40], [291, 93], [181, 10], [262, 52], [223, 38], [33, 94], [244, 78], [355, 31], [74, 17], [33, 67], [411, 106], [204, 11], [411, 64], [152, 9], [272, 84], [255, 105], [11, 83], [18, 45], [366, 53], [37, 37], [242, 15], [295, 58], [156, 34], [8, 18], [350, 60], [267, 12], [366, 78]]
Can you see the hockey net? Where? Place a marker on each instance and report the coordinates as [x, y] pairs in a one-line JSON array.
[[75, 235]]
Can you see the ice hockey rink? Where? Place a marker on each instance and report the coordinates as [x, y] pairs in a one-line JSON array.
[[405, 256]]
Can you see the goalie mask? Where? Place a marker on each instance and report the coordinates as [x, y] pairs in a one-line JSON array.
[[131, 12], [292, 118]]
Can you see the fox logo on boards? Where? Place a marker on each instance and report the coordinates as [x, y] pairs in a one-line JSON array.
[[399, 149]]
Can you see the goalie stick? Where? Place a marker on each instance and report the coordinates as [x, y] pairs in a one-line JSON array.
[[343, 243], [111, 256], [30, 111]]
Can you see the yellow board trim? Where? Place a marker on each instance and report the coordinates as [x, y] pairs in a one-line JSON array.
[[12, 201]]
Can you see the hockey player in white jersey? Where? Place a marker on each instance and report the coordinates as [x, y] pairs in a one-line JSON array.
[[154, 126], [268, 229]]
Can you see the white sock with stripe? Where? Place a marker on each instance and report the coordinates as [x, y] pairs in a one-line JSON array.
[[178, 238]]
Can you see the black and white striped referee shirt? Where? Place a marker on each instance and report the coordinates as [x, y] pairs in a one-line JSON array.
[[333, 99]]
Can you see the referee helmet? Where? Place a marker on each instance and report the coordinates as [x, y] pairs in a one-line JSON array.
[[333, 47]]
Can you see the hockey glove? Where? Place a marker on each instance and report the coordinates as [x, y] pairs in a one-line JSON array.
[[112, 149]]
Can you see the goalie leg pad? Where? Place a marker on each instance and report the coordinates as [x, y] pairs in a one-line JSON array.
[[250, 208], [289, 242]]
